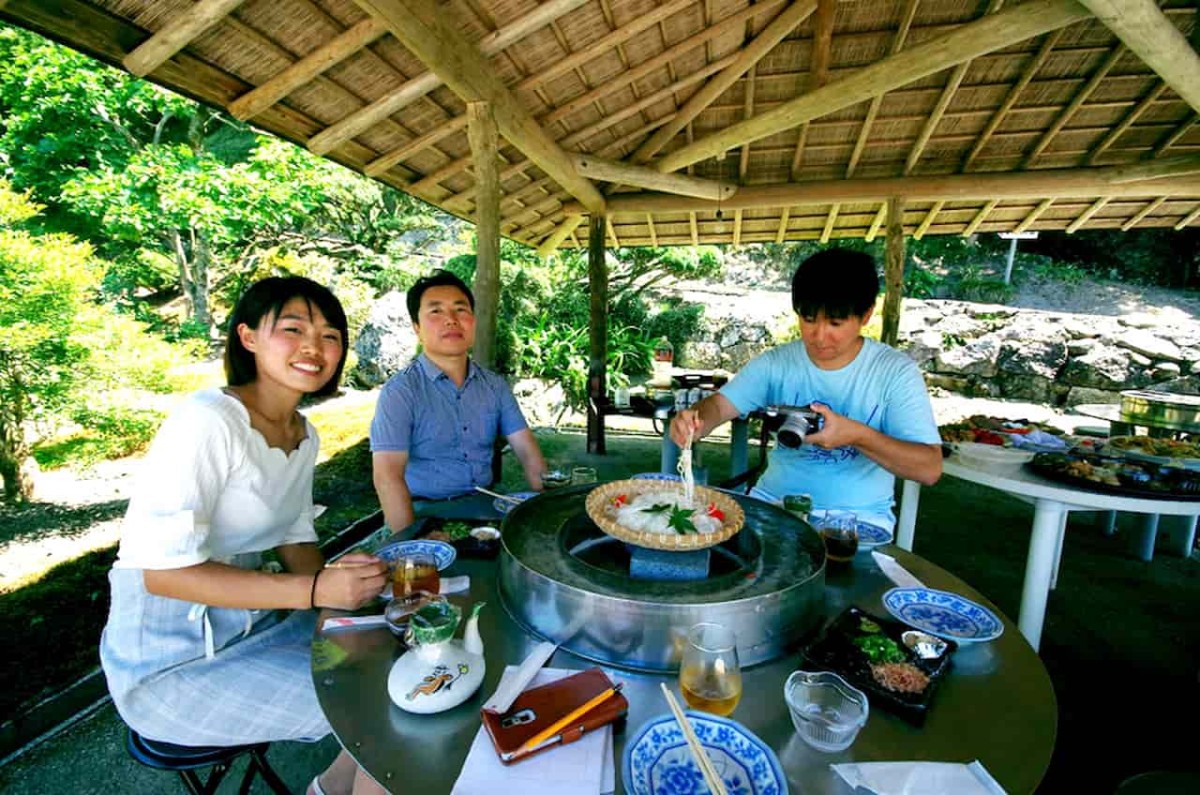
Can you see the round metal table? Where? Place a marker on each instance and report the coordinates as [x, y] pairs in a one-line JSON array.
[[996, 704]]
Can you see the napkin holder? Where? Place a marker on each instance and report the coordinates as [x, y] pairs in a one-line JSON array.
[[540, 707]]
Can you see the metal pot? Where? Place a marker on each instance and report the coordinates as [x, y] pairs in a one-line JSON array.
[[1161, 410]]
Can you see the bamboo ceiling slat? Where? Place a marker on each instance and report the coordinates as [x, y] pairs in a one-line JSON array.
[[610, 78]]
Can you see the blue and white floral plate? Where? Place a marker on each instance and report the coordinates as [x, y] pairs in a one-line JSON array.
[[944, 614], [443, 553], [657, 760], [504, 506], [872, 535]]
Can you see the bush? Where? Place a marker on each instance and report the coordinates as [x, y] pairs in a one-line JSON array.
[[106, 433]]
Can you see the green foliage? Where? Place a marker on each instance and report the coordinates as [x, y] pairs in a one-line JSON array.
[[107, 433]]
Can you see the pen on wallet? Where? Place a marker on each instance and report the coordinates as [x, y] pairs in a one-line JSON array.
[[559, 725]]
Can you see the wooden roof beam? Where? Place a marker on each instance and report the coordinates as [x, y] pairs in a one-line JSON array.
[[737, 228], [1086, 215], [877, 224], [1076, 103], [984, 35], [1176, 177], [491, 44], [1145, 30], [1188, 219], [1035, 214], [830, 223], [1030, 71], [1127, 122], [783, 24], [177, 34], [906, 21], [301, 72], [664, 58], [424, 30], [818, 72], [1175, 136], [748, 113], [980, 216], [386, 162], [603, 44], [597, 168], [927, 221], [781, 233], [1142, 213]]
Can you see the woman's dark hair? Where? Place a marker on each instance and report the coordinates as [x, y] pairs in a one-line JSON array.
[[837, 282], [268, 297], [439, 278]]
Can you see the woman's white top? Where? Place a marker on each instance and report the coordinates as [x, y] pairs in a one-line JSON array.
[[212, 489]]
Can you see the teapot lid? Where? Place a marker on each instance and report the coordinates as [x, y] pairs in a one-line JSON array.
[[434, 623]]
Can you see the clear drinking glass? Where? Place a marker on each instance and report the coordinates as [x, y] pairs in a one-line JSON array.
[[583, 475], [413, 573], [709, 674], [839, 530]]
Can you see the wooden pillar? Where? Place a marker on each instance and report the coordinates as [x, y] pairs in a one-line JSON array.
[[893, 271], [598, 332], [481, 130]]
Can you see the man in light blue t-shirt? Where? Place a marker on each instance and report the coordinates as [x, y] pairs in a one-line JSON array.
[[878, 421]]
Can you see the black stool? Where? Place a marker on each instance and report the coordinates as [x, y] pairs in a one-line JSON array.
[[186, 760]]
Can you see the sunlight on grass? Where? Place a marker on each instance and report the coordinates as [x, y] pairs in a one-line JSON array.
[[341, 426], [195, 376]]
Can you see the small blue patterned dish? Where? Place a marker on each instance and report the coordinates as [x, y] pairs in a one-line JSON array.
[[655, 476], [946, 615], [658, 761], [504, 506], [443, 553], [872, 535]]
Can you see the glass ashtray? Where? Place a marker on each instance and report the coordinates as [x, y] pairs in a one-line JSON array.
[[826, 710]]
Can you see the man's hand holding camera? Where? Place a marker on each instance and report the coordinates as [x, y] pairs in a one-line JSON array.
[[835, 431]]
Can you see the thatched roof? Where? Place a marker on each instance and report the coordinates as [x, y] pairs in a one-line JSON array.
[[798, 119]]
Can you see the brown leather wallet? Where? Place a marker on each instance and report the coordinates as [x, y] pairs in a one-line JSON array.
[[541, 707]]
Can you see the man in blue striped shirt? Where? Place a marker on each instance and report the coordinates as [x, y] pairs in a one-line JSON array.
[[437, 420]]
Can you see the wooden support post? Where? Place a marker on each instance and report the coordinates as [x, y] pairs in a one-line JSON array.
[[893, 271], [481, 129], [598, 331]]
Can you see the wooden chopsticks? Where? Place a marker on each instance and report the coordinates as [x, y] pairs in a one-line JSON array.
[[498, 495], [715, 785]]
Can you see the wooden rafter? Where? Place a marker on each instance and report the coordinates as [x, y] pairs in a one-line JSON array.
[[1147, 179], [1075, 104], [968, 41], [1188, 219], [864, 133], [980, 217], [1031, 69], [1142, 213], [747, 113], [880, 216], [598, 168], [737, 228], [1147, 32], [422, 84], [784, 216], [1029, 220], [177, 34], [427, 34], [303, 71], [927, 221], [778, 28], [694, 229], [386, 162], [650, 226], [818, 71], [1086, 215], [1127, 122], [830, 222], [1176, 135]]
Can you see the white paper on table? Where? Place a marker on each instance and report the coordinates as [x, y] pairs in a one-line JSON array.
[[515, 684], [895, 572], [584, 767], [926, 778]]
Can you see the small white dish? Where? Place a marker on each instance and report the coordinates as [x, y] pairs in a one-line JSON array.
[[871, 536], [944, 614]]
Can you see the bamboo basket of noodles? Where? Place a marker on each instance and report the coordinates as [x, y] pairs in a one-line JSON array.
[[640, 504]]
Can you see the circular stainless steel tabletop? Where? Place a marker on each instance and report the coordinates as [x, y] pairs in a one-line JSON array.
[[996, 703]]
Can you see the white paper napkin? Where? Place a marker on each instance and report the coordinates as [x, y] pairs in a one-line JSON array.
[[584, 767], [512, 686], [926, 778], [895, 572]]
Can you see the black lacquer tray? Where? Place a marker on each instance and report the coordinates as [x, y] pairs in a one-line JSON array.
[[835, 650], [1134, 478]]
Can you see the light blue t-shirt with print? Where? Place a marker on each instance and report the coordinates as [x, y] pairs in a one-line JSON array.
[[881, 388]]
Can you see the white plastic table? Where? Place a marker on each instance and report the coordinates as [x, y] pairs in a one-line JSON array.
[[1052, 502]]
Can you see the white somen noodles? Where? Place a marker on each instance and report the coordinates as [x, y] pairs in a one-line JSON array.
[[684, 468]]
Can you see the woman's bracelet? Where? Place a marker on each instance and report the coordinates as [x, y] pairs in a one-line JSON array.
[[312, 597]]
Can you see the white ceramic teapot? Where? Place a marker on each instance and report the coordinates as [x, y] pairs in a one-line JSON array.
[[437, 672]]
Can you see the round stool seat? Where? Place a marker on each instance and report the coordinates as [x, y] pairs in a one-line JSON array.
[[1161, 782], [168, 756]]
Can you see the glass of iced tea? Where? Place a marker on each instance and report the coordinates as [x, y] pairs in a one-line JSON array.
[[413, 573], [839, 529], [709, 674]]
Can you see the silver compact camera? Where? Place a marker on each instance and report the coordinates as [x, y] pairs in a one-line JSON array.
[[798, 422]]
